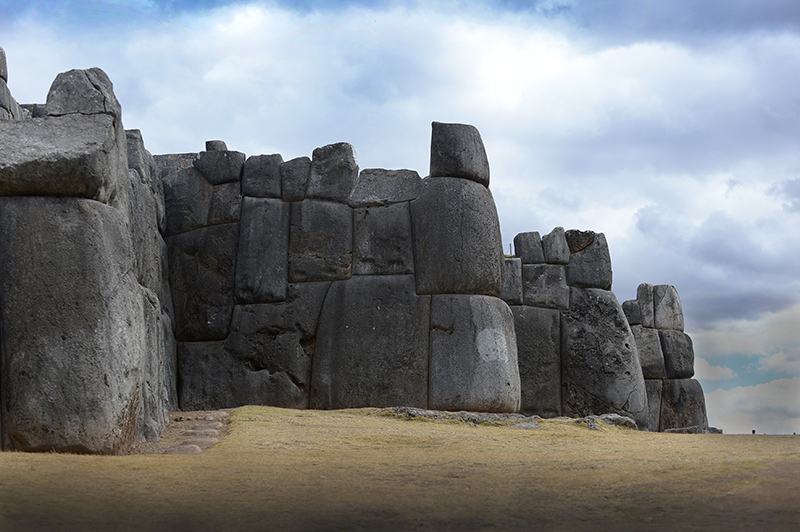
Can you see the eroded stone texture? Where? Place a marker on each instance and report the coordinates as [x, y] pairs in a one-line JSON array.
[[262, 266], [644, 295], [202, 272], [74, 385], [632, 312], [226, 204], [457, 241], [220, 167], [216, 145], [650, 355], [320, 241], [667, 309], [654, 391], [678, 354], [545, 285], [682, 404], [512, 282], [377, 186], [294, 178], [334, 172], [600, 364], [538, 333], [262, 176], [457, 151], [528, 247], [187, 195], [3, 67], [382, 243], [85, 92], [590, 265], [473, 355], [372, 344], [555, 247]]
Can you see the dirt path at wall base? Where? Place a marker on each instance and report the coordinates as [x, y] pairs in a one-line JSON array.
[[359, 470]]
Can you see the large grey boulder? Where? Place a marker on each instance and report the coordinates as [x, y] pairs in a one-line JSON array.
[[555, 247], [382, 242], [220, 167], [678, 354], [528, 247], [682, 404], [538, 332], [262, 265], [545, 285], [654, 391], [202, 267], [262, 176], [187, 195], [512, 281], [372, 345], [294, 178], [667, 309], [377, 186], [457, 151], [589, 265], [457, 243], [72, 155], [334, 172], [600, 364], [226, 204], [644, 295], [84, 92], [651, 357], [473, 355], [320, 241], [73, 328]]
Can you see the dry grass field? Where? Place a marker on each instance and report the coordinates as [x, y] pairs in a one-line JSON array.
[[362, 470]]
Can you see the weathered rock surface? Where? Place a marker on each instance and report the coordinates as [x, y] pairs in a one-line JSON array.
[[682, 404], [545, 285], [220, 167], [644, 295], [538, 332], [555, 247], [226, 204], [262, 265], [334, 171], [632, 312], [187, 195], [654, 391], [473, 355], [377, 186], [372, 344], [651, 357], [678, 354], [590, 265], [85, 92], [320, 241], [3, 65], [202, 273], [457, 151], [528, 247], [294, 178], [667, 309], [262, 176], [382, 243], [512, 282], [216, 145], [457, 241], [600, 364]]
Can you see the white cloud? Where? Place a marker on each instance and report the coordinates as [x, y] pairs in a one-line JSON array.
[[705, 371], [772, 408]]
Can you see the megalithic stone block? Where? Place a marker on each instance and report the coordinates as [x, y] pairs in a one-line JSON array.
[[545, 285], [262, 176], [320, 241], [457, 241], [644, 295], [667, 309], [512, 283], [85, 92], [555, 247], [294, 178], [654, 392], [678, 354], [590, 265], [528, 247], [334, 172], [187, 196], [226, 204], [651, 356], [220, 167], [601, 371], [262, 265], [372, 344], [382, 243], [457, 151], [473, 355], [377, 186], [682, 404], [538, 332], [632, 312]]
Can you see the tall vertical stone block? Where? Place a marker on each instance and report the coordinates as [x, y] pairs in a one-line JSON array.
[[682, 404], [538, 332], [262, 266], [512, 282], [320, 241], [457, 151], [589, 266], [651, 356], [334, 172], [667, 309]]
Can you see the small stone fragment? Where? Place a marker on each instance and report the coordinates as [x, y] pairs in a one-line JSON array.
[[216, 145]]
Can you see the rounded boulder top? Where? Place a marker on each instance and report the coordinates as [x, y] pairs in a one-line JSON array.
[[457, 151]]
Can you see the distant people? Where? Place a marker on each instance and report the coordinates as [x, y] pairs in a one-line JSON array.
[[754, 431]]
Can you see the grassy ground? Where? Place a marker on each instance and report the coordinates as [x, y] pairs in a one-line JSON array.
[[356, 470]]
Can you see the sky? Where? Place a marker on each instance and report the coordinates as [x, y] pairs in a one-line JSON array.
[[671, 127]]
